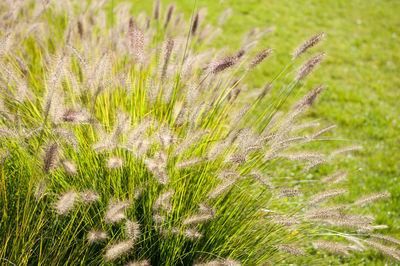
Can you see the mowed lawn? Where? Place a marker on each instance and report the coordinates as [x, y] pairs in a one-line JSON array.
[[361, 72]]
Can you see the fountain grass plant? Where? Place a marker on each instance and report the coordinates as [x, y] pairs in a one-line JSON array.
[[126, 141]]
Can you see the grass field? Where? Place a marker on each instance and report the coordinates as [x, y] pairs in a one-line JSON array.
[[361, 74]]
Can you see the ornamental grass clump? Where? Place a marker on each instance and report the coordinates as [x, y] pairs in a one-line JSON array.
[[126, 141]]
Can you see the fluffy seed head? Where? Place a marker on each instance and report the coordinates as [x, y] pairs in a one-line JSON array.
[[96, 236], [115, 212], [69, 167], [40, 189], [309, 66], [288, 192], [88, 196], [261, 56], [70, 115], [386, 238], [371, 198], [345, 149], [308, 44], [335, 178], [291, 249], [222, 64], [221, 188], [168, 15], [156, 9], [195, 23], [320, 197], [389, 251], [332, 247], [132, 230], [115, 162], [136, 41], [138, 263], [116, 250], [190, 162], [310, 97], [66, 202], [196, 219], [192, 234], [220, 262], [163, 201], [51, 157]]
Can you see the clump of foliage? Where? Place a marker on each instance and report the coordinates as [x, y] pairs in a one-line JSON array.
[[124, 141]]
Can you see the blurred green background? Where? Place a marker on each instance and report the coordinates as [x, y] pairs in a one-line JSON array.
[[361, 72]]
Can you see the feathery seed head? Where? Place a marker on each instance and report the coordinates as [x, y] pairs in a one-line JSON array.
[[156, 9], [222, 64], [132, 230], [260, 57], [332, 247], [40, 189], [195, 23], [163, 201], [309, 99], [335, 177], [323, 196], [371, 198], [88, 196], [139, 263], [288, 192], [96, 236], [291, 249], [389, 251], [51, 157], [345, 149], [115, 163], [66, 202], [196, 219], [309, 66], [385, 238], [192, 234], [71, 115], [116, 211], [168, 15], [69, 167], [308, 44], [118, 249]]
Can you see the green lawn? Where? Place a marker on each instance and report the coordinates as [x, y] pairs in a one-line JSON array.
[[360, 71]]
